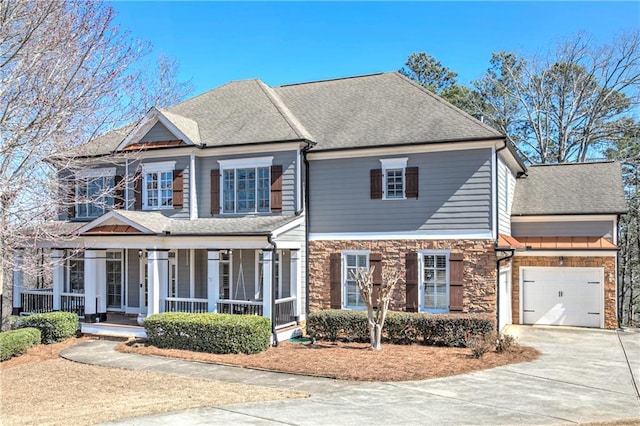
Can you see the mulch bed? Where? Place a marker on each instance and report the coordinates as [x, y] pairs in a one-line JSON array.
[[352, 361]]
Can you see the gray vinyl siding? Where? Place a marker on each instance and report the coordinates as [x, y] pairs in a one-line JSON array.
[[286, 159], [182, 163], [592, 228], [506, 186], [454, 195], [158, 133], [133, 279], [201, 274], [248, 276]]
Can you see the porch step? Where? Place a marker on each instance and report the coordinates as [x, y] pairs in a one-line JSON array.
[[289, 332], [112, 330]]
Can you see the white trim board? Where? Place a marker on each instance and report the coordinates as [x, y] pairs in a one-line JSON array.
[[567, 253], [563, 218], [415, 235]]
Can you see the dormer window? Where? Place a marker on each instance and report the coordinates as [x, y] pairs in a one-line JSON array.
[[393, 177], [157, 185], [94, 192]]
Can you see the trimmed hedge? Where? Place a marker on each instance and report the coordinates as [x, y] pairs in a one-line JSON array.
[[206, 332], [400, 327], [16, 342], [54, 326]]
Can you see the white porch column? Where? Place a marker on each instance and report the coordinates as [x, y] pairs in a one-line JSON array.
[[18, 282], [213, 279], [294, 273], [57, 260], [267, 291], [158, 272], [90, 284], [101, 284]]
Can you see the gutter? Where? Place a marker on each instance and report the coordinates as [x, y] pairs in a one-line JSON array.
[[497, 230]]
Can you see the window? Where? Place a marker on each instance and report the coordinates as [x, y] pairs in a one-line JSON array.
[[75, 274], [435, 281], [246, 185], [114, 279], [157, 186], [225, 275], [172, 288], [393, 178], [277, 283], [351, 262], [94, 192]]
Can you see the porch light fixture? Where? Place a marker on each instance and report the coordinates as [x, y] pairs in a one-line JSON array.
[[561, 260], [140, 253]]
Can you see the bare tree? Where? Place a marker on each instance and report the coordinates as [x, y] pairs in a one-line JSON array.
[[67, 75], [376, 314], [567, 105]]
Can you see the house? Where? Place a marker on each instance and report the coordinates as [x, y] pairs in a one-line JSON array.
[[263, 200]]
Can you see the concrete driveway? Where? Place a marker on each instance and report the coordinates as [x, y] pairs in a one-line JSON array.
[[582, 376]]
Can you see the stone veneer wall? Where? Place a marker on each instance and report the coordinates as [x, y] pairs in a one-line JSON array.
[[479, 269], [609, 263]]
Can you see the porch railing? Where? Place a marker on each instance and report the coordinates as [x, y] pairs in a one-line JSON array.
[[285, 312], [36, 301], [240, 307], [73, 302], [185, 304]]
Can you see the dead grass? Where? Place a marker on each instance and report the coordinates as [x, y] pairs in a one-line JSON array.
[[354, 361], [39, 388]]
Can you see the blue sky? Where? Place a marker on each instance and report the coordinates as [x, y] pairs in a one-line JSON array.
[[290, 42]]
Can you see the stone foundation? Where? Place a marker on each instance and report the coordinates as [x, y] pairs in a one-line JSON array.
[[608, 262], [479, 291]]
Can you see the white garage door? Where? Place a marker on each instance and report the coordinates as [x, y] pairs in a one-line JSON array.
[[562, 296]]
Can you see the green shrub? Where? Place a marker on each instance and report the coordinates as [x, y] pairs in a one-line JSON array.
[[400, 327], [212, 333], [16, 342], [54, 326]]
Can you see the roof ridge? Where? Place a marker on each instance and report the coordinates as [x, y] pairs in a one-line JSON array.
[[332, 79], [284, 111], [448, 104]]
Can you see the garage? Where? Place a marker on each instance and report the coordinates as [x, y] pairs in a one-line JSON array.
[[562, 296]]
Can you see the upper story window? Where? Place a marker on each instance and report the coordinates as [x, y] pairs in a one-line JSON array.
[[246, 185], [94, 192], [393, 177], [394, 180], [157, 185]]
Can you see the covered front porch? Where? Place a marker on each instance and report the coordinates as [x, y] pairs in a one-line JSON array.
[[94, 283], [143, 263]]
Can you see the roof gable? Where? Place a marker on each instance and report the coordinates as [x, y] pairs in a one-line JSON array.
[[570, 189], [163, 124]]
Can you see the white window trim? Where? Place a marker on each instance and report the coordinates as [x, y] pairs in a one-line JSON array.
[[393, 164], [156, 168], [122, 276], [95, 173], [83, 178], [67, 285], [163, 166], [243, 163], [421, 254], [343, 275]]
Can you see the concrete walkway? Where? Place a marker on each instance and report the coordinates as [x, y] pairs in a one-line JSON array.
[[583, 376]]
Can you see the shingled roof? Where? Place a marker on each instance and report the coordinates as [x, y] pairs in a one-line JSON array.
[[371, 110], [565, 189]]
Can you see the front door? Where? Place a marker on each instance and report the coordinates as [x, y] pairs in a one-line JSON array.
[[114, 280]]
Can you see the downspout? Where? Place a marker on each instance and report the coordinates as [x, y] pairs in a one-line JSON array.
[[307, 220], [496, 245], [274, 247]]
